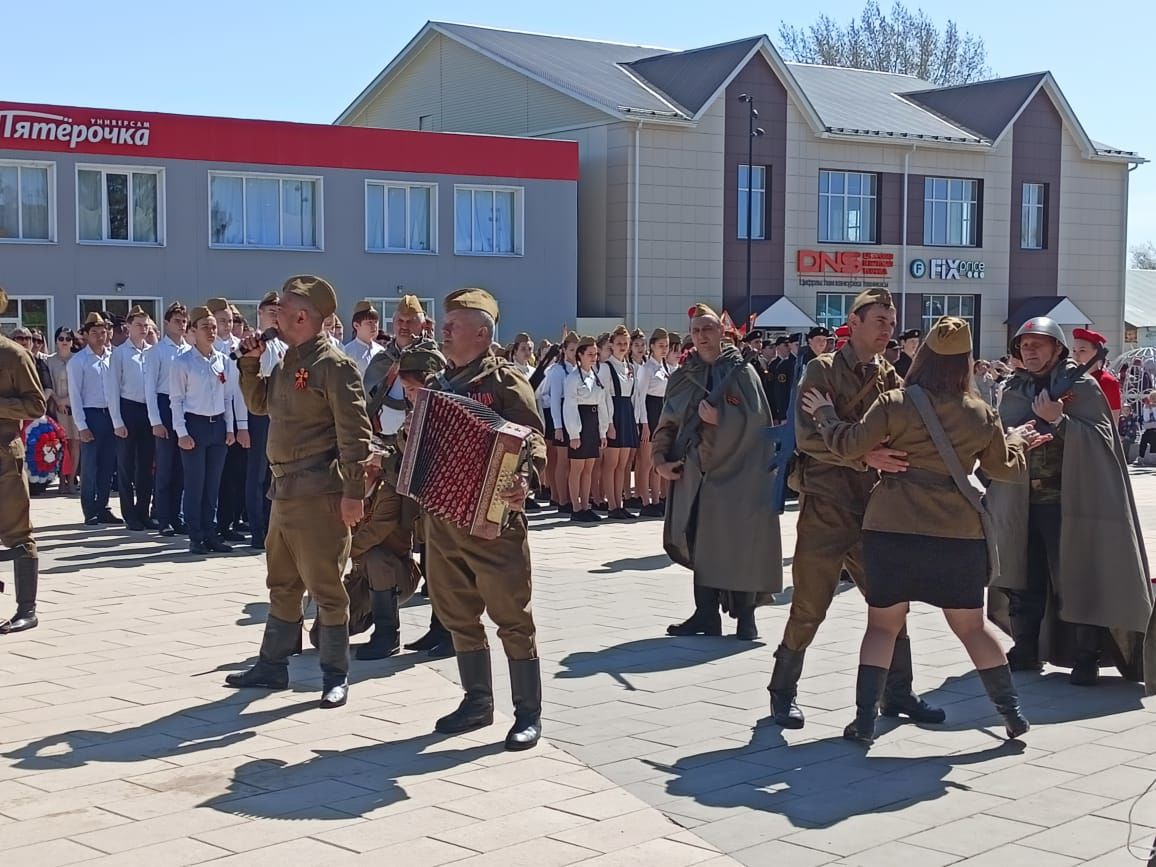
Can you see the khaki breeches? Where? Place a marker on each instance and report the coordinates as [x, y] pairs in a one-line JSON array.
[[307, 548], [15, 521]]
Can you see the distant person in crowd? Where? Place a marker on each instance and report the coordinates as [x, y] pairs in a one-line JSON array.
[[1085, 344], [231, 499], [617, 377], [650, 392], [257, 476], [780, 379], [817, 339], [383, 389], [90, 388], [587, 416], [1052, 547], [1145, 419], [909, 344], [23, 338], [136, 445], [554, 419], [363, 347], [170, 472], [1129, 429], [984, 381], [522, 354], [711, 445], [892, 352], [67, 344]]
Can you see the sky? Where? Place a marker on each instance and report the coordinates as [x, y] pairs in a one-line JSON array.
[[305, 61]]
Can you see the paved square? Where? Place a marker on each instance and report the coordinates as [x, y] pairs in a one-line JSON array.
[[120, 745]]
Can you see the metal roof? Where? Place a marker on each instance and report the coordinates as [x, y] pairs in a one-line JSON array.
[[984, 107], [1140, 298], [691, 78]]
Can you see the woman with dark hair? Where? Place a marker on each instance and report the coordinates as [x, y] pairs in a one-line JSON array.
[[586, 417], [66, 344], [923, 536]]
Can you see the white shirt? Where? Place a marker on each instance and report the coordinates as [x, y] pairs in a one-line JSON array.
[[625, 377], [158, 373], [239, 412], [389, 418], [200, 386], [584, 389], [127, 369], [556, 389], [275, 350], [88, 383], [362, 353], [651, 382], [1147, 417], [525, 369]]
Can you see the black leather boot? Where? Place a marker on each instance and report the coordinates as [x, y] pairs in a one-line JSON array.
[[784, 686], [437, 642], [386, 638], [1086, 671], [898, 697], [26, 575], [333, 654], [1002, 692], [526, 688], [746, 629], [272, 668], [1025, 630], [869, 687], [477, 707], [706, 619]]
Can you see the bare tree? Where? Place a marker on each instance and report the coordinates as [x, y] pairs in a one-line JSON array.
[[1142, 257], [905, 42]]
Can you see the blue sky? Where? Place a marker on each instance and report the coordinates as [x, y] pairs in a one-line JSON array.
[[305, 61]]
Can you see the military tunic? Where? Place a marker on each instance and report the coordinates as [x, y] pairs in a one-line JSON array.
[[319, 437], [21, 399], [833, 491], [469, 575]]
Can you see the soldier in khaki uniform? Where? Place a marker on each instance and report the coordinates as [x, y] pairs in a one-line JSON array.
[[833, 496], [21, 399], [318, 444], [468, 575]]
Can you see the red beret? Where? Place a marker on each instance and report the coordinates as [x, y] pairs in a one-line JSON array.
[[843, 331], [1090, 336]]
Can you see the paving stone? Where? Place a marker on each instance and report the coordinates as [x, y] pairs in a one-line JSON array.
[[1083, 838]]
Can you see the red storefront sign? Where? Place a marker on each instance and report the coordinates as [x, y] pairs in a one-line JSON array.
[[846, 262], [61, 129]]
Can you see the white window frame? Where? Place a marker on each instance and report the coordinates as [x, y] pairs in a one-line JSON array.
[[13, 317], [951, 304], [969, 224], [34, 164], [823, 319], [105, 169], [387, 185], [1033, 215], [318, 210], [760, 196], [868, 203], [157, 300], [519, 219]]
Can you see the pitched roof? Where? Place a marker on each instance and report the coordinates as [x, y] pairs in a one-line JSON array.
[[1140, 298], [984, 107], [690, 78]]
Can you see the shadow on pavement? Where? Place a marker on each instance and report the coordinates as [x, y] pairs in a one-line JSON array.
[[633, 564], [650, 655]]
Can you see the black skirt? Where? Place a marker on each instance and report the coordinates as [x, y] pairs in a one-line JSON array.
[[653, 411], [548, 424], [904, 567], [625, 427], [591, 440]]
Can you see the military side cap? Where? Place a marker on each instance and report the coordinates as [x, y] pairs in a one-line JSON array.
[[410, 306], [175, 307], [234, 310], [3, 300], [93, 319], [1091, 336], [472, 299], [571, 337], [586, 341], [216, 305], [843, 332], [701, 310], [135, 312], [659, 334], [818, 331], [949, 336], [871, 296], [268, 300], [421, 361], [199, 313], [364, 306], [911, 334], [314, 289]]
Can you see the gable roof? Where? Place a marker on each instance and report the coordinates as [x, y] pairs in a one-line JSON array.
[[1140, 298], [986, 108], [691, 78]]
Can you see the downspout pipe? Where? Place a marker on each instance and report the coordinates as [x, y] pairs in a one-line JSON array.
[[903, 245], [637, 193]]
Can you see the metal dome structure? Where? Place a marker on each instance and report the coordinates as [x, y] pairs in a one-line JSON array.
[[1133, 388]]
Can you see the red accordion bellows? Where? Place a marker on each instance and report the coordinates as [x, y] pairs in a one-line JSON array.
[[459, 455]]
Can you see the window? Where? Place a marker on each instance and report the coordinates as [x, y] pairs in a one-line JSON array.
[[32, 313], [950, 212], [758, 201], [400, 218], [118, 305], [264, 211], [27, 197], [847, 202], [1033, 232], [119, 205], [248, 310], [937, 306], [831, 308], [488, 221]]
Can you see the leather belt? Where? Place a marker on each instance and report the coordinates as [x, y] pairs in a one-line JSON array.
[[281, 470]]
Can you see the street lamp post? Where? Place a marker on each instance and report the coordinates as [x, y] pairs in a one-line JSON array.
[[754, 132]]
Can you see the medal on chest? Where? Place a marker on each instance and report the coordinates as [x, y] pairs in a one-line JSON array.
[[301, 379]]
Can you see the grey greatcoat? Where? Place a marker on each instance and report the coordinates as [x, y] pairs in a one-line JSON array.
[[719, 519], [1104, 575]]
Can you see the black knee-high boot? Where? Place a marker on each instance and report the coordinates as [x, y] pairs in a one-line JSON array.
[[868, 690], [706, 619], [1002, 692]]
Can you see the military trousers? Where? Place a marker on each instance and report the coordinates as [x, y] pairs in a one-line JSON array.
[[469, 576], [829, 539], [307, 548], [15, 521]]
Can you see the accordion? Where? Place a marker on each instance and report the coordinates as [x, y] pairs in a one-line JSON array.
[[459, 456]]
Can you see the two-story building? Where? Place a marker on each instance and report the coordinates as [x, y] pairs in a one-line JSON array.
[[987, 200]]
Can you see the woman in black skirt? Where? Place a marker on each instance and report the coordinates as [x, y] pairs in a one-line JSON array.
[[617, 377], [586, 417], [922, 539], [649, 392]]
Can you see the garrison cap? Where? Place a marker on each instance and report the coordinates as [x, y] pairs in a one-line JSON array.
[[659, 334], [424, 360], [472, 299], [135, 312], [175, 308], [571, 337], [949, 336], [702, 310], [94, 319], [316, 290], [1090, 336], [365, 306], [867, 297], [410, 306], [268, 300], [818, 331], [216, 305], [911, 334], [199, 313], [3, 300]]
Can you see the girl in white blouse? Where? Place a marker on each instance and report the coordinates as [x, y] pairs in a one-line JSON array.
[[649, 392], [586, 415], [617, 378], [555, 389]]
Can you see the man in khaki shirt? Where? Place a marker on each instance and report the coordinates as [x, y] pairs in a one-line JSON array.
[[318, 444], [832, 500]]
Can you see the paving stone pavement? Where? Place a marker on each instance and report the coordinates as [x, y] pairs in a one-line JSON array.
[[120, 745]]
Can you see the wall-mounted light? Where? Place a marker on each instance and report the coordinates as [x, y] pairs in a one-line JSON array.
[[119, 287]]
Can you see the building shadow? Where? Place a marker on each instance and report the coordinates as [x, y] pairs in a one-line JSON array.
[[651, 655]]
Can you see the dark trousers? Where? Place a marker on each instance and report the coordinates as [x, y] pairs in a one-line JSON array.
[[257, 477], [1147, 441], [134, 461], [97, 462], [231, 497], [170, 473], [203, 466], [1026, 607]]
